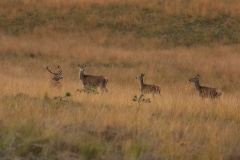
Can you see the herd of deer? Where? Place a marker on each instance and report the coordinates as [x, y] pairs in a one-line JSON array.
[[101, 82]]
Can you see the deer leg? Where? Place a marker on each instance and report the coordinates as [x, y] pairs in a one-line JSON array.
[[106, 90], [153, 95]]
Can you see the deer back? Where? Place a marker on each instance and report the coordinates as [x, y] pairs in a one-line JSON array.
[[146, 88], [94, 80], [208, 92]]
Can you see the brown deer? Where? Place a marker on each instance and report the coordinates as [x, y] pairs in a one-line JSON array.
[[91, 80], [148, 88], [205, 92], [57, 76]]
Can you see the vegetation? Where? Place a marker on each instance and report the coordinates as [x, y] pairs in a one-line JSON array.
[[129, 25], [88, 90], [141, 99], [169, 41]]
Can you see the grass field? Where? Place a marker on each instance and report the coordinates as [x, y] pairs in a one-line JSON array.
[[119, 40]]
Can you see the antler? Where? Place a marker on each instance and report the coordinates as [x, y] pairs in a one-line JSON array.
[[57, 75], [60, 71], [50, 71]]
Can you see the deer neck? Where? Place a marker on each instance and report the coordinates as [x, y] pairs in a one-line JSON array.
[[197, 85], [141, 84], [81, 74]]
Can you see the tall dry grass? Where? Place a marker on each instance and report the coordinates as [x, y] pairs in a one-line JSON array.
[[177, 125], [38, 121]]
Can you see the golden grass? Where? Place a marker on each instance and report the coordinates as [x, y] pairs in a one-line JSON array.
[[202, 8], [177, 125], [37, 120]]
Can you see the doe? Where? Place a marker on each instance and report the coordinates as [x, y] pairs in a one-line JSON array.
[[91, 80], [204, 92], [148, 88]]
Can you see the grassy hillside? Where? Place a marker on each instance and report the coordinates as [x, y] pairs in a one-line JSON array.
[[169, 41], [162, 24]]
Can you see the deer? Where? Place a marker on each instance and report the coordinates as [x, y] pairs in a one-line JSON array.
[[57, 76], [148, 88], [205, 92], [91, 80]]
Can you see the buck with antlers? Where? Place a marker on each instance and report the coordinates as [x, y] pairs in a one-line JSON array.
[[57, 76], [148, 88], [91, 80], [204, 92]]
